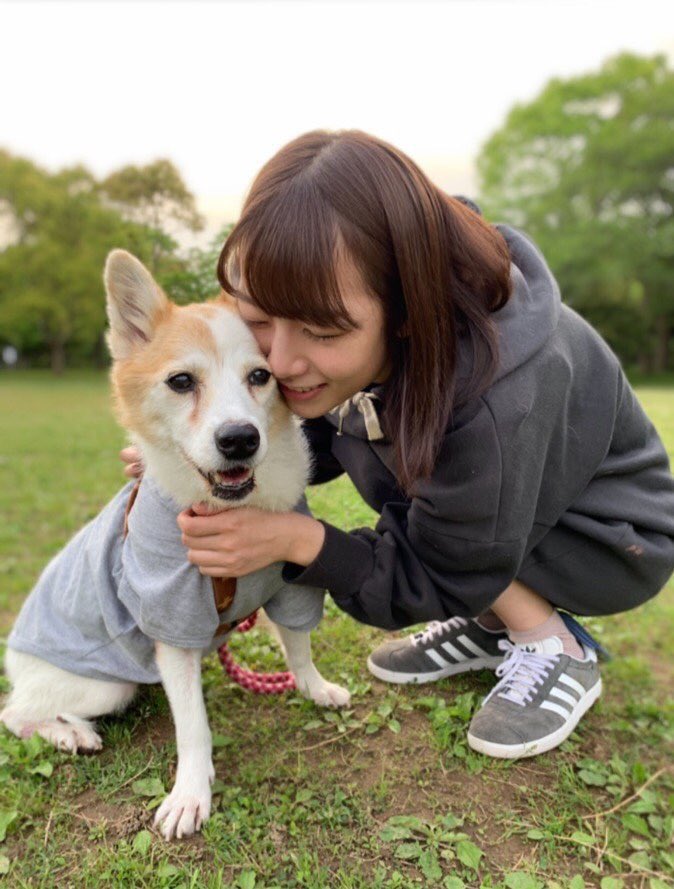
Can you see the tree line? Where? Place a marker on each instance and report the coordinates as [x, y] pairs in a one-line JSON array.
[[586, 169], [58, 230]]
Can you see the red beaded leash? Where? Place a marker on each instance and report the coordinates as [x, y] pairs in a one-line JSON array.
[[259, 683]]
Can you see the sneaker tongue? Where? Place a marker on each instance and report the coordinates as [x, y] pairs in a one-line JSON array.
[[551, 645]]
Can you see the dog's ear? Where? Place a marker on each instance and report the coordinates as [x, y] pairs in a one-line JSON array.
[[135, 303]]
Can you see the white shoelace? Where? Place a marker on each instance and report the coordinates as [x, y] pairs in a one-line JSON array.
[[437, 628], [522, 671]]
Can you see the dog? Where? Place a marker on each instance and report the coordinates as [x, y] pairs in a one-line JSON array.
[[120, 604]]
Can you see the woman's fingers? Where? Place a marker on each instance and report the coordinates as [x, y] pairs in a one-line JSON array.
[[134, 466], [205, 559], [214, 543], [195, 525], [203, 508], [130, 454]]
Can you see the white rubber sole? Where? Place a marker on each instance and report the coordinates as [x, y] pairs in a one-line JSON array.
[[542, 745], [484, 663]]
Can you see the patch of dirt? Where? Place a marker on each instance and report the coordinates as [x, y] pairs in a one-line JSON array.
[[158, 729], [120, 820], [414, 782]]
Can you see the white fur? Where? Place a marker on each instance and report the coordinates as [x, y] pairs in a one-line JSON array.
[[58, 704]]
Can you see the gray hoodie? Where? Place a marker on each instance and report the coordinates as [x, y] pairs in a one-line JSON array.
[[555, 476], [100, 604]]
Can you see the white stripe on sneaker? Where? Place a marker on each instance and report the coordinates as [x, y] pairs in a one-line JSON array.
[[549, 705], [434, 656], [558, 693], [455, 653], [572, 683], [471, 646]]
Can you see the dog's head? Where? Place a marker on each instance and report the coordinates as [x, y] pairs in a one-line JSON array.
[[191, 386]]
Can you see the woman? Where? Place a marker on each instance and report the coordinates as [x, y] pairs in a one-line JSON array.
[[432, 360]]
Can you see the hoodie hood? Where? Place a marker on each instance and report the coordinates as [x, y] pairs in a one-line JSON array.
[[523, 325], [530, 316]]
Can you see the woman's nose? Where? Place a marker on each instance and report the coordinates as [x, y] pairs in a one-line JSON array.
[[284, 359]]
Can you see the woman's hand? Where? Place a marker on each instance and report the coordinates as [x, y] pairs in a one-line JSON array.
[[134, 465], [242, 540]]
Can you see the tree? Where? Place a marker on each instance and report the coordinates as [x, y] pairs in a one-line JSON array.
[[587, 169], [51, 291], [195, 278], [152, 196]]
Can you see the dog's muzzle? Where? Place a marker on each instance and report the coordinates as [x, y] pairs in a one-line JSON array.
[[238, 443]]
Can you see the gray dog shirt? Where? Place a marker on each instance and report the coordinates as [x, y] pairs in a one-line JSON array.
[[102, 600]]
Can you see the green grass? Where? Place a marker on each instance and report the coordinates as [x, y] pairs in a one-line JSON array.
[[386, 794]]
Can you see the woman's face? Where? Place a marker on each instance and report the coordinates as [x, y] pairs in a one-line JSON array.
[[318, 368]]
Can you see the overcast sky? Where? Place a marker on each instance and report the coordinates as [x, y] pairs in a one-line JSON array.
[[219, 86]]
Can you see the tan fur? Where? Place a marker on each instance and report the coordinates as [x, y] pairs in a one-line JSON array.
[[181, 329], [226, 299], [278, 417]]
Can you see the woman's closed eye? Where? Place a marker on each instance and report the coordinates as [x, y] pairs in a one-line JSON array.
[[321, 336], [261, 325]]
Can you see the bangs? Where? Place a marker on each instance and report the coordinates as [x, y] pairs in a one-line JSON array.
[[282, 256]]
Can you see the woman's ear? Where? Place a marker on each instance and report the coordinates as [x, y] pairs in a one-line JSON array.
[[403, 331]]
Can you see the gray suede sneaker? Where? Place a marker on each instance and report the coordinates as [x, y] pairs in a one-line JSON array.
[[442, 649], [537, 703]]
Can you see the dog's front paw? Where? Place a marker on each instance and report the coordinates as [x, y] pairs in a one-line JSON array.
[[183, 811], [329, 695]]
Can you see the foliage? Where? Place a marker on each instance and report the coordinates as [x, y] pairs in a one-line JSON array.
[[153, 193], [586, 169], [63, 225], [194, 278], [153, 196]]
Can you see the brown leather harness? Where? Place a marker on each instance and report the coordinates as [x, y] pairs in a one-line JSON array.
[[224, 588]]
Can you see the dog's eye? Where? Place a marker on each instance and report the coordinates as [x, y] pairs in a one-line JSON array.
[[259, 377], [181, 383]]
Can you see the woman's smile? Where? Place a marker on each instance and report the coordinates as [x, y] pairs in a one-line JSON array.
[[303, 393]]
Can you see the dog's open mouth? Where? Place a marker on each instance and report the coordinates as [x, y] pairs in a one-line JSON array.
[[232, 484]]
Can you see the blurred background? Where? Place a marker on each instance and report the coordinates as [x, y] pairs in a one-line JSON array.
[[142, 124]]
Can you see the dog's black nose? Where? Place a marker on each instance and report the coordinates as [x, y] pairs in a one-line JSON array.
[[237, 442]]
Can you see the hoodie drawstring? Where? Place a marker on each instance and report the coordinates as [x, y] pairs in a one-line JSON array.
[[363, 401]]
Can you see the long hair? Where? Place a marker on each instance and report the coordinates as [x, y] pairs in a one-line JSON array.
[[437, 266]]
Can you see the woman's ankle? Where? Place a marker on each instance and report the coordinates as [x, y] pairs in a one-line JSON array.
[[552, 626], [521, 608]]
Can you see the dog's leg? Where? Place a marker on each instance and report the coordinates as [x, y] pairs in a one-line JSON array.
[[310, 683], [55, 703], [189, 804]]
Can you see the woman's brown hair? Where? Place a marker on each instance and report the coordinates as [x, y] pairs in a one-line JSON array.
[[438, 267]]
